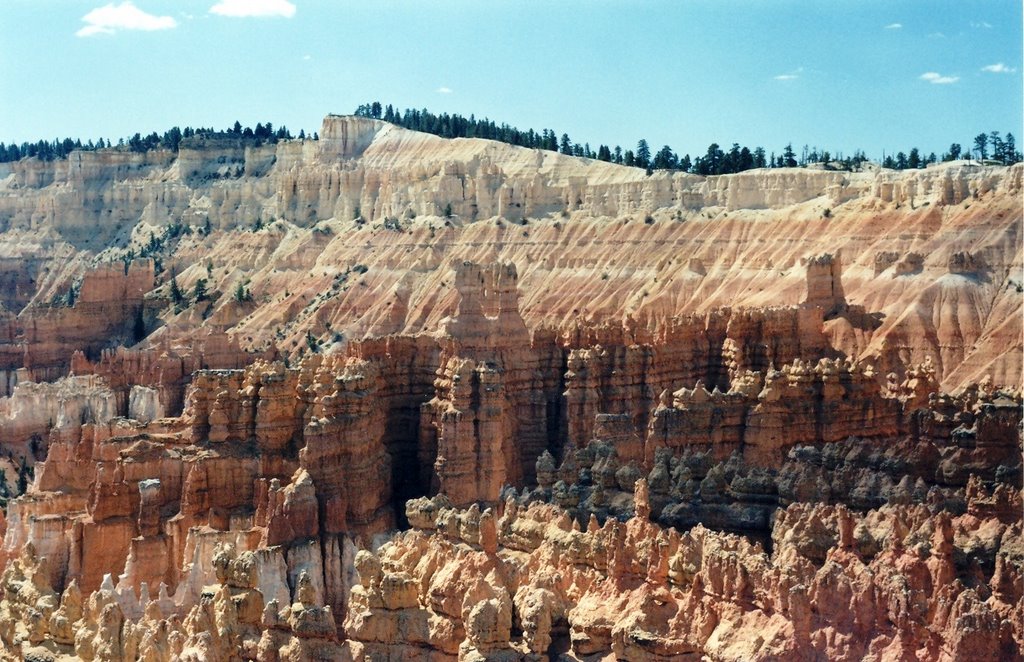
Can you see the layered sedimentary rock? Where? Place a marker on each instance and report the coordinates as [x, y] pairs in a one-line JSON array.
[[276, 404], [459, 580], [889, 583], [107, 310], [932, 255]]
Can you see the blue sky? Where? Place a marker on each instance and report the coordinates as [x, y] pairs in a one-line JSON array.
[[839, 74]]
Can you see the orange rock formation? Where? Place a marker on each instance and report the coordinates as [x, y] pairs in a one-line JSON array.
[[591, 413]]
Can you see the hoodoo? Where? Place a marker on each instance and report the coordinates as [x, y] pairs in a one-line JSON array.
[[386, 395]]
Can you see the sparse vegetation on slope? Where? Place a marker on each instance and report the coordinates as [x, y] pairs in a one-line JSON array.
[[716, 161]]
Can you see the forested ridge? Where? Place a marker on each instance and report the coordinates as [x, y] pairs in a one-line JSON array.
[[48, 150], [716, 160]]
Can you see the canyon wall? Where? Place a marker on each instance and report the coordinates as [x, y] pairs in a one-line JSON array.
[[933, 255], [272, 402]]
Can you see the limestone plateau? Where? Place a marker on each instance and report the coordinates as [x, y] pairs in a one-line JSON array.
[[388, 396]]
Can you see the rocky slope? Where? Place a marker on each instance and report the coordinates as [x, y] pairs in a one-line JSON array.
[[933, 256], [743, 417]]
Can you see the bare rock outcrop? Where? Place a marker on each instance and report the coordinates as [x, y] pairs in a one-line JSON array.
[[384, 395]]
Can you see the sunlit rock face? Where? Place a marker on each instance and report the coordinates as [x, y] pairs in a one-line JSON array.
[[389, 396]]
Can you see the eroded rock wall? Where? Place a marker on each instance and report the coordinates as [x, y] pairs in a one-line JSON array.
[[933, 255], [613, 414]]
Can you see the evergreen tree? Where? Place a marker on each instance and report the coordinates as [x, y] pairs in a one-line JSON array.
[[914, 160], [759, 160], [643, 154], [788, 157], [242, 293], [1010, 154], [731, 161], [981, 146], [712, 163], [566, 145], [995, 143], [24, 473], [745, 161], [666, 159], [199, 291], [177, 296]]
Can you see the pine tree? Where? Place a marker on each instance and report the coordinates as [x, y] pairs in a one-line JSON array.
[[565, 146], [759, 159], [643, 154], [24, 473], [788, 157], [177, 296], [666, 159], [1010, 149], [242, 293], [995, 141], [199, 291], [914, 160], [981, 146]]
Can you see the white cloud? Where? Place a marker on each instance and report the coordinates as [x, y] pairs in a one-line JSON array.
[[792, 75], [307, 57], [246, 8], [110, 18], [998, 68], [444, 90], [936, 35], [981, 24], [938, 79], [894, 26]]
